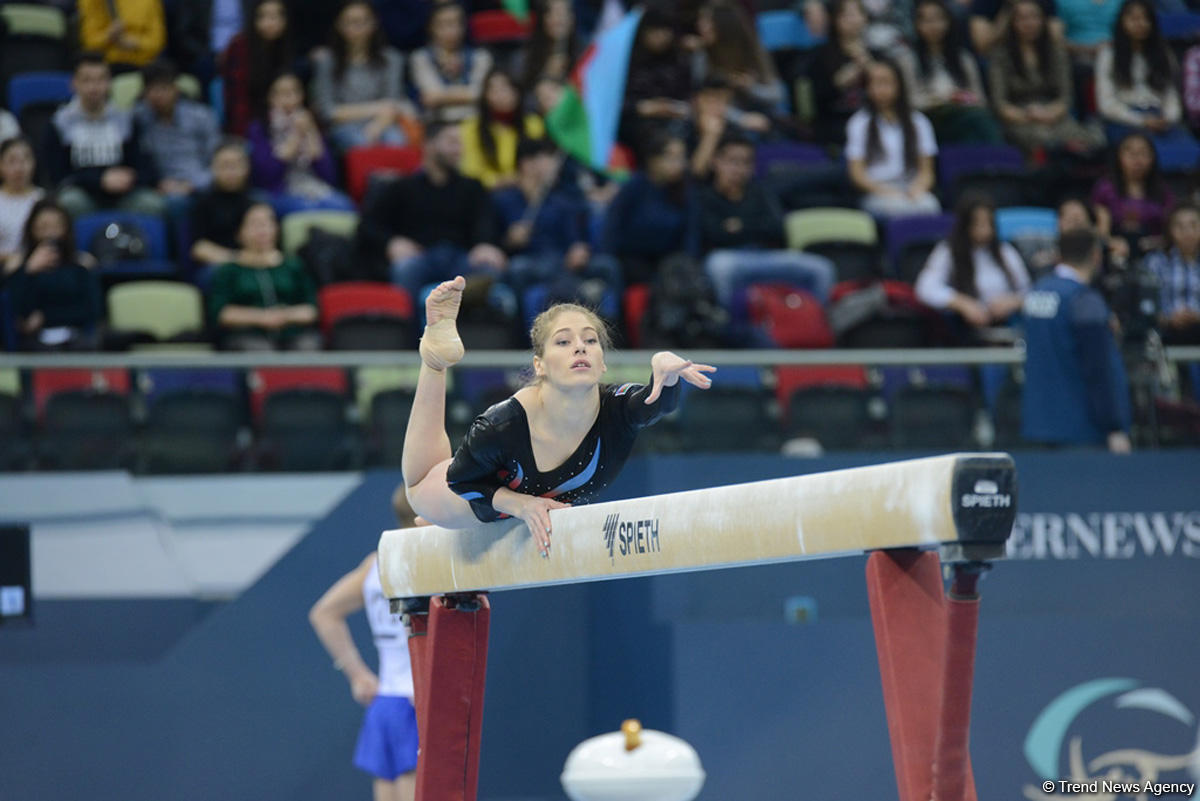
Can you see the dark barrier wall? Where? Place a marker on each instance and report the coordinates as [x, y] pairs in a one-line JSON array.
[[1087, 654]]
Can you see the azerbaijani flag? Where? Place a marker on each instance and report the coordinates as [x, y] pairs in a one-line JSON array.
[[518, 8], [584, 123]]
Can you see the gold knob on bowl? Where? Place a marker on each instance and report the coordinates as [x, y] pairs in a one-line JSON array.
[[632, 730]]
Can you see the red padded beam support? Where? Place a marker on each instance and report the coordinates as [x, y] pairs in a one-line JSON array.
[[449, 670], [952, 767], [908, 608]]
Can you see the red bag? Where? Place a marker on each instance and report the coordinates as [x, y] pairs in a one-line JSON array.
[[792, 317]]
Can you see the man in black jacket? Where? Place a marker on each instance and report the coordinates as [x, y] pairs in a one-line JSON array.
[[434, 224], [740, 231]]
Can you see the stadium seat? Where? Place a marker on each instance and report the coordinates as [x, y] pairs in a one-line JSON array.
[[838, 417], [885, 331], [535, 300], [911, 260], [932, 418], [852, 261], [34, 19], [50, 88], [191, 431], [995, 170], [35, 40], [789, 380], [85, 430], [297, 226], [1180, 25], [50, 382], [387, 422], [364, 315], [784, 30], [636, 301], [904, 233], [158, 382], [810, 226], [370, 381], [723, 419], [772, 157], [14, 443], [306, 429], [498, 27], [362, 163], [264, 382], [161, 311], [145, 257], [1016, 221]]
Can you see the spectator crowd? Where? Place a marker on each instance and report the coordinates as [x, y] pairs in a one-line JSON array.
[[263, 151]]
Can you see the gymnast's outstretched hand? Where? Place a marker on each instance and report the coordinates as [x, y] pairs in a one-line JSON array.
[[668, 368]]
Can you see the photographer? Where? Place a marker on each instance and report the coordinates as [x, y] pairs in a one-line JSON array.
[[55, 296]]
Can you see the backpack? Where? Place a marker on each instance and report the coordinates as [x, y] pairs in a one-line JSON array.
[[790, 316], [683, 309]]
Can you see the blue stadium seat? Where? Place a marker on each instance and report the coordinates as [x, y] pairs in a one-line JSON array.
[[784, 30], [38, 87], [154, 261], [901, 232]]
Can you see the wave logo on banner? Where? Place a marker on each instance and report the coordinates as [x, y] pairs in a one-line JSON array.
[[1125, 771]]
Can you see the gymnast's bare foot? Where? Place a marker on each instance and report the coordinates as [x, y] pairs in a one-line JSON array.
[[441, 346]]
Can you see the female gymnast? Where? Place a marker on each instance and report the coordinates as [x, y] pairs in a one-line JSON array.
[[559, 440]]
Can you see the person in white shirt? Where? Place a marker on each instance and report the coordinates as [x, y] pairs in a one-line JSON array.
[[890, 148], [387, 742], [972, 273], [17, 192]]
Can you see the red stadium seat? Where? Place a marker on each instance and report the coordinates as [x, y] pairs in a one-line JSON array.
[[355, 298], [637, 301], [790, 379], [266, 381], [361, 162], [493, 27], [47, 383]]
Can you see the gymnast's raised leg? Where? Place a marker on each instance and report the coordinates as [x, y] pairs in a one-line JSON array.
[[427, 451]]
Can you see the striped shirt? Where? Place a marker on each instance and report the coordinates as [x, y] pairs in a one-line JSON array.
[[1178, 281]]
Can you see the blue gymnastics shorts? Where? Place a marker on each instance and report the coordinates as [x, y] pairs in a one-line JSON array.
[[387, 743]]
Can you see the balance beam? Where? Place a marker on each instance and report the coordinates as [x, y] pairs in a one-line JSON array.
[[966, 500]]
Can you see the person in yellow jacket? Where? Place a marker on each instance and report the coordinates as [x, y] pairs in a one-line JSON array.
[[490, 137], [127, 32]]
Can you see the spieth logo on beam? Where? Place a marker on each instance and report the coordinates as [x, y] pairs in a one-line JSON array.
[[986, 495], [629, 537]]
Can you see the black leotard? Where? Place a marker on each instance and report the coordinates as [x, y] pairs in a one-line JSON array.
[[497, 452]]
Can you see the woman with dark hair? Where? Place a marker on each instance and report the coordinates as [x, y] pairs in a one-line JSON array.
[[732, 52], [890, 148], [17, 192], [448, 73], [288, 154], [263, 300], [254, 57], [490, 138], [553, 46], [659, 85], [650, 218], [972, 273], [55, 294], [1030, 76], [943, 80], [1135, 79], [1132, 201], [839, 71], [358, 86]]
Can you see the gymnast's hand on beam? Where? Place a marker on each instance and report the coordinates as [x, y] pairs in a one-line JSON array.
[[533, 510], [668, 368]]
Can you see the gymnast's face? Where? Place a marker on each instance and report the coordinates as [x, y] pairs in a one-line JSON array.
[[572, 355]]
